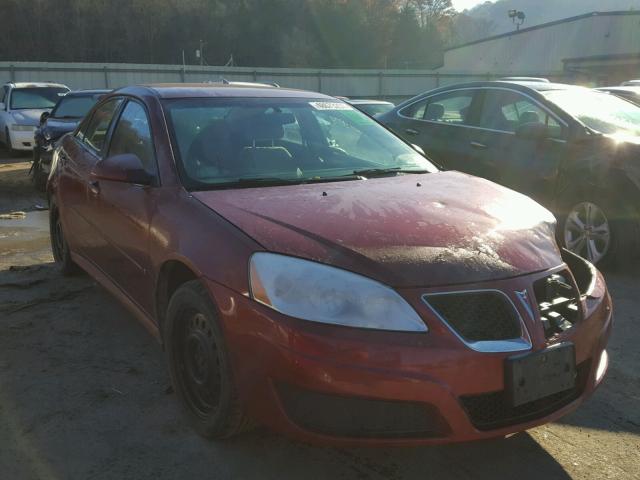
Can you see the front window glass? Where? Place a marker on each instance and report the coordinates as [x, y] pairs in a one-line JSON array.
[[224, 141], [74, 107], [602, 112], [506, 111], [133, 135], [36, 97]]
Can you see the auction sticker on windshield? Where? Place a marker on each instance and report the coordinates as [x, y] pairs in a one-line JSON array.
[[330, 106]]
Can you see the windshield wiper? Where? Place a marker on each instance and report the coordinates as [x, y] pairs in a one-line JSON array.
[[377, 172], [274, 181]]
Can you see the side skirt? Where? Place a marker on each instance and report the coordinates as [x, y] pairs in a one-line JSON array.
[[122, 297]]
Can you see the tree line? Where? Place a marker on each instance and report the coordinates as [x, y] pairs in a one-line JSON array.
[[271, 33]]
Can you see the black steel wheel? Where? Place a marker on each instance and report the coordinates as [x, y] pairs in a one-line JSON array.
[[59, 246], [199, 364]]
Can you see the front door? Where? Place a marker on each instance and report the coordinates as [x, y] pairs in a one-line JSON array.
[[75, 162], [124, 210], [529, 166]]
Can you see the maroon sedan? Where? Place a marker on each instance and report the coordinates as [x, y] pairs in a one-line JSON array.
[[306, 269]]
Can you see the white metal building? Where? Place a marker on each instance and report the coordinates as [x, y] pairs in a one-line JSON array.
[[599, 47]]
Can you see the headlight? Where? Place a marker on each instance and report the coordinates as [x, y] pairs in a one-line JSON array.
[[320, 293], [22, 128]]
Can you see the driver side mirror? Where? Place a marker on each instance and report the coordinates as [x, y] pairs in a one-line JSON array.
[[533, 131], [44, 116], [125, 168]]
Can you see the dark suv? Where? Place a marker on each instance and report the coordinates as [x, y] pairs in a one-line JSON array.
[[573, 149]]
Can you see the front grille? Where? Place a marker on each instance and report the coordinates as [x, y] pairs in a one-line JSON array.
[[492, 410], [478, 316], [558, 302], [356, 417]]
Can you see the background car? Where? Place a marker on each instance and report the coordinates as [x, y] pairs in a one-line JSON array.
[[631, 83], [21, 105], [307, 269], [573, 149], [373, 108], [64, 118], [631, 93]]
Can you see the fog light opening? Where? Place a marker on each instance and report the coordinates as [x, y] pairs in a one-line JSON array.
[[602, 366]]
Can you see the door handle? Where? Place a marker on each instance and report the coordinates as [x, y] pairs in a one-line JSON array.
[[94, 187], [411, 131], [478, 145]]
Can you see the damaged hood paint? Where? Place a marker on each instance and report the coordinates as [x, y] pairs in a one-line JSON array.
[[452, 228]]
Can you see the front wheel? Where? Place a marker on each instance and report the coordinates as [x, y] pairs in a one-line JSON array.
[[199, 364], [598, 230]]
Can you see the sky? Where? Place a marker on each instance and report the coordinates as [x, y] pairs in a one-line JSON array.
[[462, 4]]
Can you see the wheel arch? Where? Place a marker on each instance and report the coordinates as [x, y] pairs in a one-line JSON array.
[[172, 274]]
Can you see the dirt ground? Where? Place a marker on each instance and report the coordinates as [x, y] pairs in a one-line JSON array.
[[84, 393]]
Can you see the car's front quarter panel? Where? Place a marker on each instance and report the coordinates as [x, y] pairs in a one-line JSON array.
[[184, 230]]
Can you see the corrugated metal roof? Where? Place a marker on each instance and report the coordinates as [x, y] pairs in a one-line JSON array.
[[545, 25]]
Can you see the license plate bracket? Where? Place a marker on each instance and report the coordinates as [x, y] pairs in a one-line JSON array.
[[536, 375]]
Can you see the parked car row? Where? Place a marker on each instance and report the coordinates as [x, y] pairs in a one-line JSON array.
[[307, 269]]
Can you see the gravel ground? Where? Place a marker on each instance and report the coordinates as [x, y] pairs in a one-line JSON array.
[[84, 393]]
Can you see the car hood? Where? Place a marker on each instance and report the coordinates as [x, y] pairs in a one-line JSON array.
[[409, 230], [28, 117]]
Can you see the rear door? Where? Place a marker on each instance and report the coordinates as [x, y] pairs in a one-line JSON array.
[[526, 165], [439, 124], [77, 198], [124, 210]]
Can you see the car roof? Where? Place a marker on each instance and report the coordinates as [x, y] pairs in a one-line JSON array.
[[630, 89], [523, 86], [204, 90], [362, 101], [35, 84]]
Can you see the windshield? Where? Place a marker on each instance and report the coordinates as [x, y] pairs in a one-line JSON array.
[[222, 141], [36, 97], [603, 112], [74, 106], [375, 109]]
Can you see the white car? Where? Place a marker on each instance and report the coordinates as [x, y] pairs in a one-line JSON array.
[[21, 105]]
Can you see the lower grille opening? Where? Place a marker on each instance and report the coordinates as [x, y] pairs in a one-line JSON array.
[[558, 302], [356, 417], [490, 411]]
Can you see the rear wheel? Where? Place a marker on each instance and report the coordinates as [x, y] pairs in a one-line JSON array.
[[59, 246], [199, 364]]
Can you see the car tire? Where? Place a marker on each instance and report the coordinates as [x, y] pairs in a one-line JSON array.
[[599, 228], [59, 246], [199, 364]]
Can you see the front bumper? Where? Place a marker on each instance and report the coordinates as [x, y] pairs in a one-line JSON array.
[[289, 370], [22, 140]]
